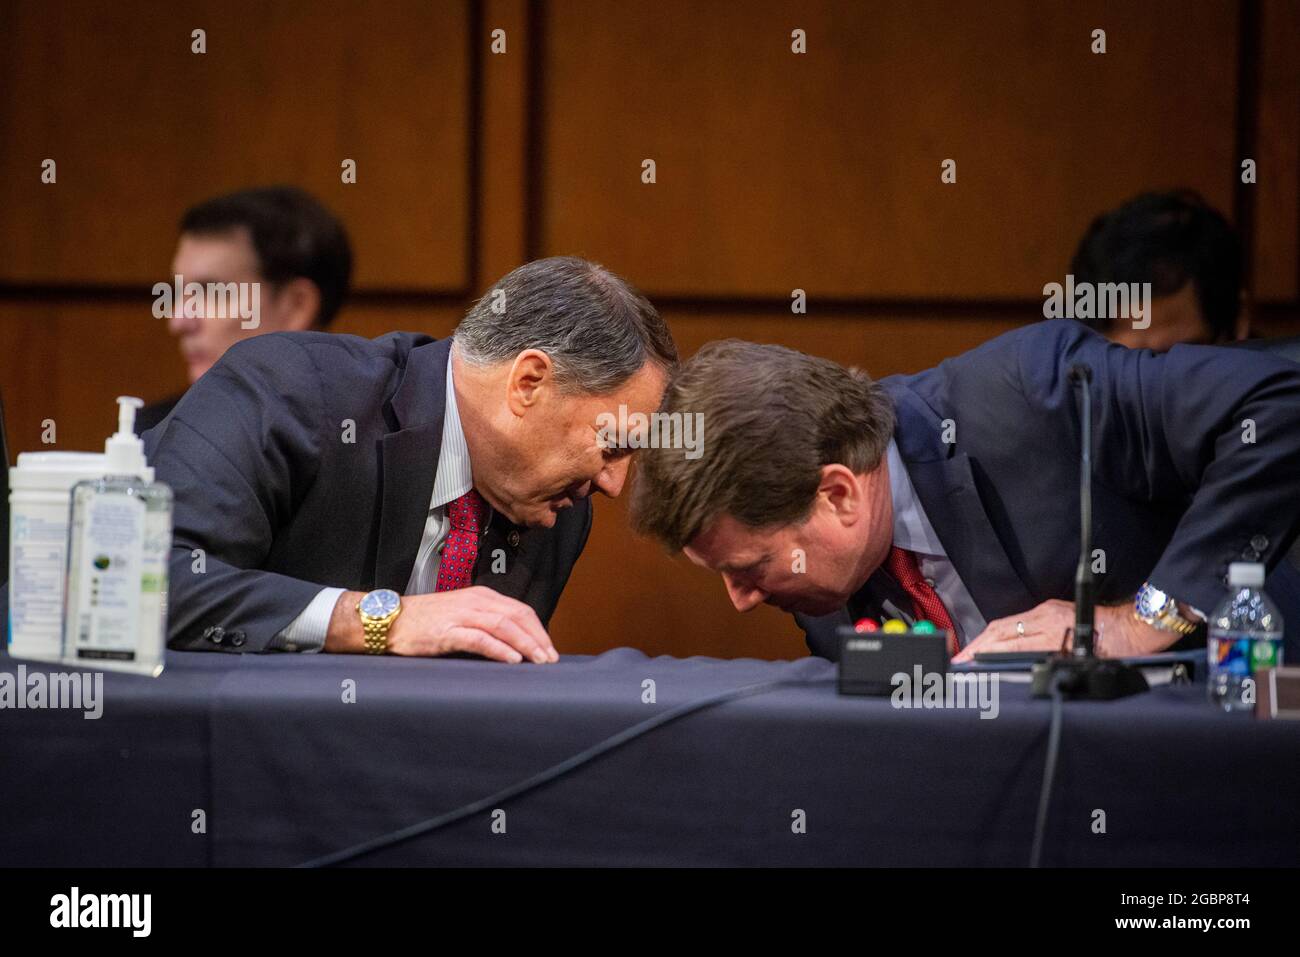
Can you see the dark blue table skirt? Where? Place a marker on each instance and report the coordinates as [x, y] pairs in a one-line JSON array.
[[285, 771]]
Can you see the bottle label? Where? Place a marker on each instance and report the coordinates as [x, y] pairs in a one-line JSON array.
[[1265, 653], [1241, 653], [153, 584], [38, 560], [108, 571]]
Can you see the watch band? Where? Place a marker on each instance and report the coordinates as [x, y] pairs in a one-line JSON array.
[[376, 630], [1174, 621], [1167, 618]]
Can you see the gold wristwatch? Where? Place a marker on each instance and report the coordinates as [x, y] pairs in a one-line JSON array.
[[378, 610]]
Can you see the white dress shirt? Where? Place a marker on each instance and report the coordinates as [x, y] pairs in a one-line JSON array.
[[453, 479], [913, 532]]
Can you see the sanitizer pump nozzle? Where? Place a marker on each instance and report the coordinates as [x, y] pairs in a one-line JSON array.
[[124, 450]]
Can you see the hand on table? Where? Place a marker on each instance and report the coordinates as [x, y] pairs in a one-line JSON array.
[[476, 620], [1119, 634]]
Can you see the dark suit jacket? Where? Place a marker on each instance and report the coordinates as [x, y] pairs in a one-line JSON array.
[[1177, 492], [281, 505], [153, 413]]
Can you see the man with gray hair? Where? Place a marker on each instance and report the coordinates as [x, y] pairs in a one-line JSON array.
[[406, 495]]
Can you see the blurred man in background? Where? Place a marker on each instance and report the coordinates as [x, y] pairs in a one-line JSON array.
[[1190, 255], [278, 237]]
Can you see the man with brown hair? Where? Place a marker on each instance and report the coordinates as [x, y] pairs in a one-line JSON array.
[[951, 494]]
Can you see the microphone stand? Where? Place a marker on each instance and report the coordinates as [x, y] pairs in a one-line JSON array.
[[1079, 673]]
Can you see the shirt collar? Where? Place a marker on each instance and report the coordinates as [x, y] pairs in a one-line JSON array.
[[912, 529], [454, 477]]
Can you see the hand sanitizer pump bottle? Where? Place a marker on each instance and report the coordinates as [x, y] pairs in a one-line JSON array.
[[119, 539]]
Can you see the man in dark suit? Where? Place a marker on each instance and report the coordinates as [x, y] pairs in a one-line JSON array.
[[404, 494], [952, 494]]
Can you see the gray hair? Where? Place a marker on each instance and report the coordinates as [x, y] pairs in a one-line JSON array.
[[597, 329]]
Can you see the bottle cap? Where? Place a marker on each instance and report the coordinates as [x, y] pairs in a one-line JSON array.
[[1245, 575]]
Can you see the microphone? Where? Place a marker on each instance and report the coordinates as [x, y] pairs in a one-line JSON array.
[[1080, 673], [1085, 600]]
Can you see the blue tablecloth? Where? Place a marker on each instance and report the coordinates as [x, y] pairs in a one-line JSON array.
[[266, 753]]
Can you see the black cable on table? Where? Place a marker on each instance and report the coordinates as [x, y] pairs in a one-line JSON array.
[[550, 774], [1049, 769]]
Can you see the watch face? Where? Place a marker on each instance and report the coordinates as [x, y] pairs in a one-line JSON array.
[[380, 604], [1151, 601]]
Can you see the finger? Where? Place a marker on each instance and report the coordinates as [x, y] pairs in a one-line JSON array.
[[504, 628], [521, 612], [968, 653], [524, 616], [1036, 642], [980, 644], [478, 642], [998, 636], [997, 630], [527, 618], [1029, 624], [1013, 642]]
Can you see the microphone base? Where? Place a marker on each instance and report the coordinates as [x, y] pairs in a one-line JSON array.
[[1087, 678]]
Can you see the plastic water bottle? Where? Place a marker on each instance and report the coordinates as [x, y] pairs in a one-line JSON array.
[[1245, 637]]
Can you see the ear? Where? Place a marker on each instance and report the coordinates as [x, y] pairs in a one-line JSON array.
[[841, 492], [531, 375], [297, 304]]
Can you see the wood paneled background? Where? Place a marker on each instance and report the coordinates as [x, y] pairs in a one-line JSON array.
[[775, 171]]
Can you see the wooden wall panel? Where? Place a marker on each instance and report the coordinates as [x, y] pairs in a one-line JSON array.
[[371, 320], [69, 362], [141, 128], [821, 171], [503, 201], [1277, 204]]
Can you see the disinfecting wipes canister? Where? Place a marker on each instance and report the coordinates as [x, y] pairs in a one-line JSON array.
[[39, 499]]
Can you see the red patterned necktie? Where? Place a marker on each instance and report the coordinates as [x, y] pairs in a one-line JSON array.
[[926, 604], [456, 569]]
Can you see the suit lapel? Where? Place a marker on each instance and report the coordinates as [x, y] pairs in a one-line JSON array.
[[410, 462], [518, 545], [946, 488]]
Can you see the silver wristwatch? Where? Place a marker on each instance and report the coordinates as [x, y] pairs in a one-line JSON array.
[[1155, 608]]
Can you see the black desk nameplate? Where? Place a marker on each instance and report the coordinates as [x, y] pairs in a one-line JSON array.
[[869, 660]]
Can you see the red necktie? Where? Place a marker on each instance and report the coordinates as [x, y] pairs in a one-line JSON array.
[[459, 551], [903, 566]]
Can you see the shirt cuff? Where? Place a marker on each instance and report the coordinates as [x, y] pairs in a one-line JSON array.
[[306, 633]]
